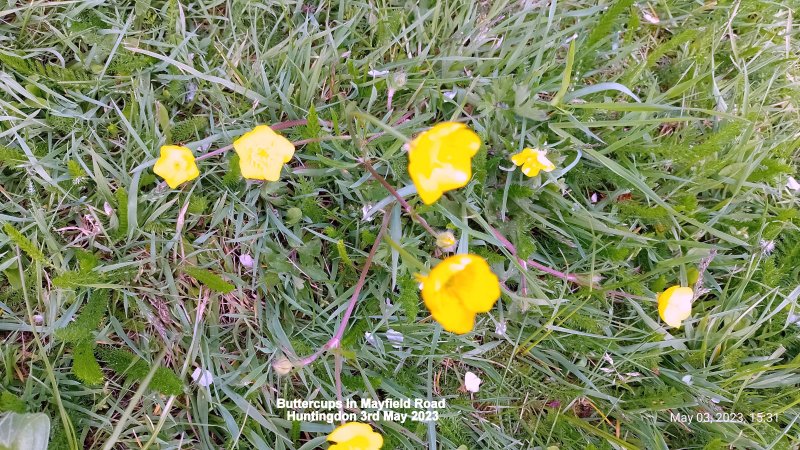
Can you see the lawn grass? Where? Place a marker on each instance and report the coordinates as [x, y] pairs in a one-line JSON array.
[[674, 128]]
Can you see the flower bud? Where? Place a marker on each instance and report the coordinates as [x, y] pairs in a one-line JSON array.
[[282, 365], [445, 240]]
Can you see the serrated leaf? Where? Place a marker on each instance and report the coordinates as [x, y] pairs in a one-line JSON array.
[[89, 319], [209, 279], [84, 363], [27, 246], [11, 403], [134, 368]]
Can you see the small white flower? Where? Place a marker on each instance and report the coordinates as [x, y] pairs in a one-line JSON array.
[[38, 319], [395, 337], [370, 338], [687, 379], [191, 90], [246, 260], [366, 216], [500, 328], [449, 94], [593, 198], [202, 377], [471, 382], [793, 184], [399, 79], [650, 18], [767, 247], [378, 73], [108, 209]]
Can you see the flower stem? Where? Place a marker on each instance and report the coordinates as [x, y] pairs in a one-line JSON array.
[[216, 152], [289, 124], [550, 271], [570, 277], [351, 306], [400, 199], [564, 276]]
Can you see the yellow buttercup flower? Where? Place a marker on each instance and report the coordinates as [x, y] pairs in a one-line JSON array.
[[457, 289], [440, 159], [262, 153], [176, 165], [675, 305], [355, 436], [532, 161]]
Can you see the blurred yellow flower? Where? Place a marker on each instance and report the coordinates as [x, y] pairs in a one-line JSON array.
[[457, 289], [176, 165], [355, 436], [440, 159], [262, 153], [675, 305], [532, 161]]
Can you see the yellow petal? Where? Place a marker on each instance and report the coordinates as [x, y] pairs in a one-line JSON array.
[[348, 431], [675, 305], [479, 288], [176, 165], [519, 158], [533, 161], [530, 169], [432, 185], [457, 288], [440, 159], [262, 153], [355, 436], [456, 320]]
